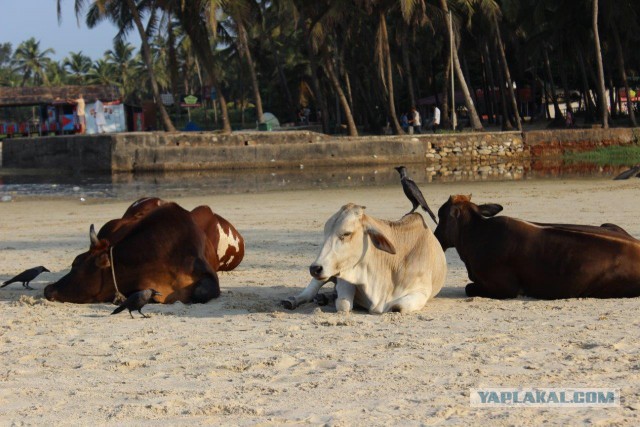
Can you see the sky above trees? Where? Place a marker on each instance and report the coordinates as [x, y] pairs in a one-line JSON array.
[[24, 19]]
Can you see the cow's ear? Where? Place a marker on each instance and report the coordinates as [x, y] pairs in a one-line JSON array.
[[490, 209], [454, 212], [102, 261], [379, 240]]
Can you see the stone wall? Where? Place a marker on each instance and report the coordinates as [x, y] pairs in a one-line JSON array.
[[158, 151]]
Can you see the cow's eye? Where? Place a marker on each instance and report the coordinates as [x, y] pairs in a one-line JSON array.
[[345, 235]]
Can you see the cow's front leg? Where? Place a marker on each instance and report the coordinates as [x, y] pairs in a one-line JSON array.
[[346, 293], [406, 303], [305, 296], [478, 290]]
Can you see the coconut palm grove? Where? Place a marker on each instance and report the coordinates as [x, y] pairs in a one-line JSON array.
[[355, 66]]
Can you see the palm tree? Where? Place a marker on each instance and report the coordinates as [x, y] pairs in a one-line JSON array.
[[78, 65], [322, 24], [31, 62], [243, 14], [601, 90], [127, 14], [476, 124], [191, 16], [57, 74], [102, 72], [121, 57]]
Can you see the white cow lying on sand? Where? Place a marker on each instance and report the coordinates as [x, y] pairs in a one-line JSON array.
[[379, 265]]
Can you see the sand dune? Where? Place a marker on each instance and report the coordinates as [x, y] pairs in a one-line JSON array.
[[242, 359]]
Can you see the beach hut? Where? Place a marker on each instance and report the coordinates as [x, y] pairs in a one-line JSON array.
[[49, 110]]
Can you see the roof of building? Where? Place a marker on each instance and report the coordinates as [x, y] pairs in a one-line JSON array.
[[24, 96]]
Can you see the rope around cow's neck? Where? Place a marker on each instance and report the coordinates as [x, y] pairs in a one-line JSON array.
[[119, 297]]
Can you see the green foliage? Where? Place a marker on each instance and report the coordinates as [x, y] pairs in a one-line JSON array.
[[614, 155], [280, 52]]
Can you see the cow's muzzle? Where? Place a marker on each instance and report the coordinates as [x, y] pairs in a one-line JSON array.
[[50, 293], [316, 271]]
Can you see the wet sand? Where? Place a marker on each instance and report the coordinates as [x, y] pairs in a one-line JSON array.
[[242, 359]]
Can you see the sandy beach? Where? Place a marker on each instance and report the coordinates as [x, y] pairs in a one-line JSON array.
[[244, 360]]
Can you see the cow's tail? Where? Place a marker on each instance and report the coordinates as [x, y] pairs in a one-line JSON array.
[[208, 286], [118, 310]]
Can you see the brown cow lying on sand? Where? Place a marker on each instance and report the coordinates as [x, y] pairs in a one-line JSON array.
[[506, 257], [156, 244]]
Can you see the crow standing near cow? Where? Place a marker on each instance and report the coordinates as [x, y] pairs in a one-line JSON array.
[[136, 301], [26, 276], [413, 193]]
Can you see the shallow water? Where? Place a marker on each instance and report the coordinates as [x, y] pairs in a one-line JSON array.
[[16, 183]]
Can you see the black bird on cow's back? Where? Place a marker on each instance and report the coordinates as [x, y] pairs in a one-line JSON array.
[[26, 276], [413, 193], [634, 171], [136, 301]]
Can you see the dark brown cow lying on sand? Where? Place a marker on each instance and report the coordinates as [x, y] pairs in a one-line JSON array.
[[156, 244], [506, 257]]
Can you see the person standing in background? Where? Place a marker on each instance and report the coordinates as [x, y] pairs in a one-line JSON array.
[[415, 120], [100, 119], [80, 107], [436, 119]]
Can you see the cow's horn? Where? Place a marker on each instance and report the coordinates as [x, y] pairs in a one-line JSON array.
[[93, 237]]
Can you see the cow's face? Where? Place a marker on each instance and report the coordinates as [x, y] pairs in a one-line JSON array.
[[454, 213], [87, 278], [346, 236], [448, 225]]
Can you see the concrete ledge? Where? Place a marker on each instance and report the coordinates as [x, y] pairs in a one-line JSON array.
[[157, 151]]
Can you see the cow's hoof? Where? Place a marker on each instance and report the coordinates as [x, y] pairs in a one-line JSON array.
[[321, 299], [289, 303], [324, 299]]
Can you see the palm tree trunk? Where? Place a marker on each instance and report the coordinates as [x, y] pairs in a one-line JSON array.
[[173, 62], [389, 76], [407, 67], [317, 87], [554, 98], [589, 103], [347, 83], [507, 74], [613, 98], [492, 85], [565, 82], [244, 46], [623, 75], [565, 88], [445, 119], [146, 55], [487, 80], [601, 90], [329, 69], [285, 86], [476, 124], [197, 32], [506, 118]]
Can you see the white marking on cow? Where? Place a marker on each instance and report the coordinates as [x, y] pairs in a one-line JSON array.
[[225, 241], [229, 261]]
